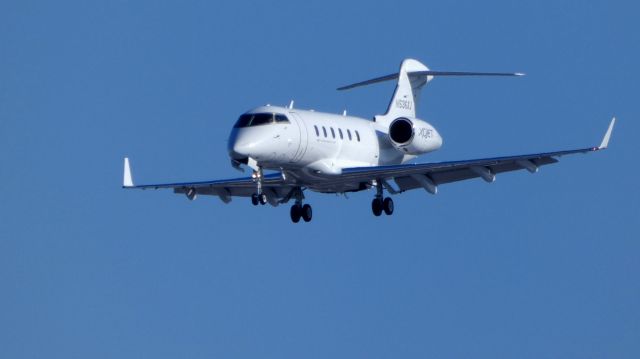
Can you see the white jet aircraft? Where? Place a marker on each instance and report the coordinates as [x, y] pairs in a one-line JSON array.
[[332, 153]]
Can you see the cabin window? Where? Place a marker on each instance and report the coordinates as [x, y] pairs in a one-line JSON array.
[[358, 136], [317, 132], [324, 130], [340, 133], [349, 134], [333, 133]]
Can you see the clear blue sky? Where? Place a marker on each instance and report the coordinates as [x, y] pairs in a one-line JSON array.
[[531, 266]]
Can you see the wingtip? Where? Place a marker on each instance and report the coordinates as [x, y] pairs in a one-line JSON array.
[[520, 74], [127, 180], [607, 136]]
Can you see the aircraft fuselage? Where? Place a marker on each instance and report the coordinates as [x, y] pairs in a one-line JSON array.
[[308, 144]]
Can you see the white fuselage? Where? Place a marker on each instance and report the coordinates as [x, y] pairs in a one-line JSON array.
[[314, 145]]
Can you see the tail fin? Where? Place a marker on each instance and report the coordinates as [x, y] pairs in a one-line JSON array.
[[412, 77], [405, 97]]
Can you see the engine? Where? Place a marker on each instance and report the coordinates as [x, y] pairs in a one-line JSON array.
[[413, 136]]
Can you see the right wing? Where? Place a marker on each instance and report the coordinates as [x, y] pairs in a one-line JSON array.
[[274, 186]]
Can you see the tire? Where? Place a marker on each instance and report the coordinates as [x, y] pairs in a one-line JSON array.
[[296, 212], [307, 213], [376, 206], [387, 205], [254, 199], [263, 198]]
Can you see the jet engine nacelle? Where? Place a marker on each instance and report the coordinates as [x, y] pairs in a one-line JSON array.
[[413, 136]]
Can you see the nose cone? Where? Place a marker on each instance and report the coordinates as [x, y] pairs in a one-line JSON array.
[[237, 147], [243, 144], [240, 150]]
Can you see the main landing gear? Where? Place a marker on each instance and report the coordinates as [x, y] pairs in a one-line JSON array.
[[298, 210], [380, 204], [301, 211]]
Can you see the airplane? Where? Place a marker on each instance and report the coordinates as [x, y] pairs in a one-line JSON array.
[[336, 153]]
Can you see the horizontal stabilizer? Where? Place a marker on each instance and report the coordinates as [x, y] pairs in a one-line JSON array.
[[429, 73]]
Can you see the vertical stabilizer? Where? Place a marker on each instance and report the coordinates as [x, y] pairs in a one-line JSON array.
[[405, 97]]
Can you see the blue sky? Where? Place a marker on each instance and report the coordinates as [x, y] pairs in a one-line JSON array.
[[531, 266]]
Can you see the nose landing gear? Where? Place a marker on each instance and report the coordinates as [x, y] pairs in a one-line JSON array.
[[259, 197]]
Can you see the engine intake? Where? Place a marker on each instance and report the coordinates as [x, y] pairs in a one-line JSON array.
[[413, 136], [401, 131]]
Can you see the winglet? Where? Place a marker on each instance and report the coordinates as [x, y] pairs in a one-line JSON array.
[[127, 181], [607, 136]]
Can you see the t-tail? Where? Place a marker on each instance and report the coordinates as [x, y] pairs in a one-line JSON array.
[[411, 78]]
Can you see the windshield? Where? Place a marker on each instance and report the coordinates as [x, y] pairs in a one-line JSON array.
[[257, 119]]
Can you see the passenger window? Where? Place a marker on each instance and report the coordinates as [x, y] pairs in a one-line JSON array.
[[340, 133], [349, 134], [324, 130], [358, 136], [333, 134], [317, 132]]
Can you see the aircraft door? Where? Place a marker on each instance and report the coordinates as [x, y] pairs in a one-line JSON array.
[[298, 154]]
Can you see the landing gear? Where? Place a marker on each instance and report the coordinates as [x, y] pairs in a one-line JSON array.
[[376, 206], [307, 213], [380, 204], [298, 210], [257, 199], [296, 213], [387, 206]]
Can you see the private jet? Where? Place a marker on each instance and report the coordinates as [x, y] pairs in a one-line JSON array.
[[337, 153]]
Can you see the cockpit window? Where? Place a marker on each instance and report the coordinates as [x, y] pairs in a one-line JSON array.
[[261, 119], [257, 119], [243, 121], [281, 118]]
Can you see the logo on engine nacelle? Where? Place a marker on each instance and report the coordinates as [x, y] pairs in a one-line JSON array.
[[426, 133]]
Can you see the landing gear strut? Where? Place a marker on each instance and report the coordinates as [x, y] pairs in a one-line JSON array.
[[298, 210], [380, 204], [259, 197]]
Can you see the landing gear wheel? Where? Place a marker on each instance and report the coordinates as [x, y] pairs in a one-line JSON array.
[[307, 213], [376, 206], [262, 198], [296, 212], [387, 205], [254, 199]]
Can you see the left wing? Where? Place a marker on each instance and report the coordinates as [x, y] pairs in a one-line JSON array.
[[430, 175]]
